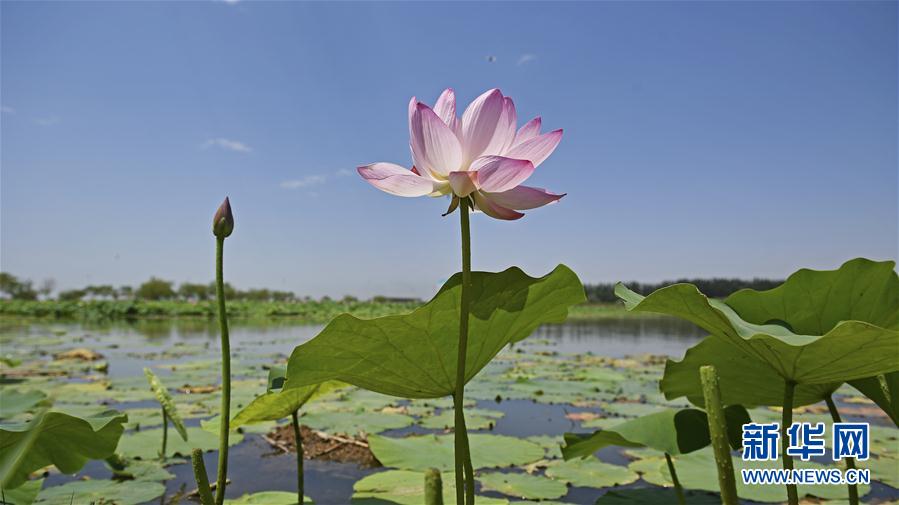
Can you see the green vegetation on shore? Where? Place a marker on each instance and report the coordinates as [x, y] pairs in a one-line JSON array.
[[313, 311]]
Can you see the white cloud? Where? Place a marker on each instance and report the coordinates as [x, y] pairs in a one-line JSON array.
[[46, 121], [228, 145], [231, 2], [526, 58], [304, 182], [343, 172], [7, 110]]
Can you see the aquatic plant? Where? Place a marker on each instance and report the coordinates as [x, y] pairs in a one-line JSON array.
[[670, 431], [278, 403], [481, 161], [169, 410], [222, 227], [792, 345]]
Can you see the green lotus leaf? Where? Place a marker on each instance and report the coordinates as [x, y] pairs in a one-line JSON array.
[[16, 401], [56, 438], [436, 451], [404, 487], [522, 485], [280, 403], [671, 431], [414, 355], [735, 371], [803, 329], [132, 492], [168, 404]]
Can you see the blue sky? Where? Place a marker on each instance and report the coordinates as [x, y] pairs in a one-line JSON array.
[[701, 139]]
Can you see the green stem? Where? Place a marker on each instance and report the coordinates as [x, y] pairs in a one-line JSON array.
[[678, 489], [786, 421], [165, 433], [464, 484], [298, 441], [222, 474], [718, 434], [850, 462], [433, 487], [196, 457]]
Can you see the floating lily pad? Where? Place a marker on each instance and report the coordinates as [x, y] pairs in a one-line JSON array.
[[436, 451], [655, 496], [267, 498], [590, 473], [475, 419], [132, 492], [404, 487], [352, 423], [696, 471], [522, 485], [413, 355], [145, 444], [56, 438], [15, 401], [24, 494]]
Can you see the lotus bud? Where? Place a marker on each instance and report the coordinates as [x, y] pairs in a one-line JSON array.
[[223, 222]]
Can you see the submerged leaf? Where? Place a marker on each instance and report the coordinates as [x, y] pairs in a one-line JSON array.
[[671, 431], [56, 438], [168, 404]]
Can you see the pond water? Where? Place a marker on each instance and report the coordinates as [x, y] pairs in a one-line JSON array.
[[189, 349]]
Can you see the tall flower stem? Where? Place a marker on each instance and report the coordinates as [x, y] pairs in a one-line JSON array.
[[225, 418], [850, 462], [165, 433], [678, 489], [298, 441], [787, 420], [718, 433], [464, 483]]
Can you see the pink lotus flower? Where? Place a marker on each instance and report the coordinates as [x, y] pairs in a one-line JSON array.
[[480, 156]]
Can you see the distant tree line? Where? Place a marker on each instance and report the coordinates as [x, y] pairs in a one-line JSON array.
[[154, 289], [714, 287]]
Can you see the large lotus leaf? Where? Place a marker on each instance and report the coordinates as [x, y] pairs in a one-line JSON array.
[[277, 404], [56, 438], [404, 487], [672, 431], [414, 355], [883, 390], [851, 350], [132, 492], [168, 404], [436, 451], [15, 401], [522, 485], [736, 372], [813, 302]]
